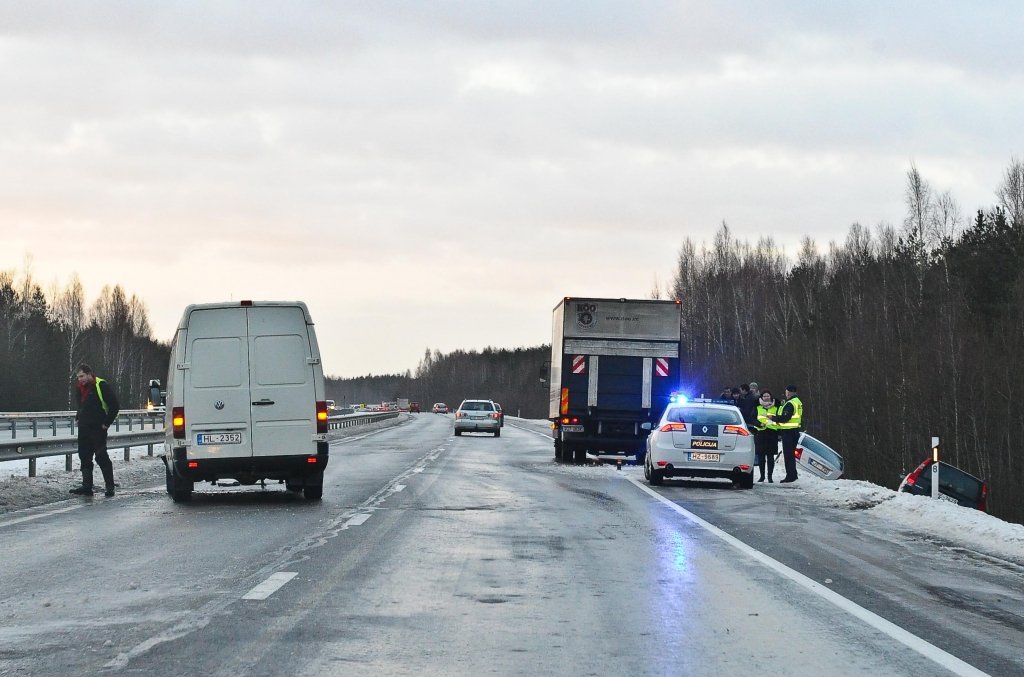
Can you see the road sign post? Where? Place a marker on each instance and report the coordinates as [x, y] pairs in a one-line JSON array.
[[935, 467]]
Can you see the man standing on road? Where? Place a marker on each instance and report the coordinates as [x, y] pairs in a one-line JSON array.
[[788, 422], [97, 409]]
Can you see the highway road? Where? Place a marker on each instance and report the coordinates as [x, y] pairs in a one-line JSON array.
[[434, 554]]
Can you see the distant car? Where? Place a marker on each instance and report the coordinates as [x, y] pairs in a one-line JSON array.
[[414, 407], [331, 405], [477, 416], [818, 458], [501, 415], [700, 438], [955, 485], [440, 408]]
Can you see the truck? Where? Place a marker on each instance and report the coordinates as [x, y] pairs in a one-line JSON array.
[[615, 365], [403, 403]]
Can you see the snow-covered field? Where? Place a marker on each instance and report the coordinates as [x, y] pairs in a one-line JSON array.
[[940, 519]]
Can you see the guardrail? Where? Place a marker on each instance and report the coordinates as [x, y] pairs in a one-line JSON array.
[[39, 420], [31, 448]]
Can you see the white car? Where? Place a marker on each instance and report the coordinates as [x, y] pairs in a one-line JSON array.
[[479, 416], [700, 439]]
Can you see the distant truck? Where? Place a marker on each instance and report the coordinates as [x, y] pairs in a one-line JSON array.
[[403, 404], [614, 366]]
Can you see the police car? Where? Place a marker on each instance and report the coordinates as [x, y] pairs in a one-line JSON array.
[[700, 438]]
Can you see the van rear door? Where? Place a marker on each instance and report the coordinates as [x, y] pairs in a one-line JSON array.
[[216, 381], [282, 386]]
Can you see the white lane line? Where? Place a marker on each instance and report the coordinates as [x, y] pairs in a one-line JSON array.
[[356, 520], [271, 585], [48, 513], [930, 651], [399, 487], [546, 435]]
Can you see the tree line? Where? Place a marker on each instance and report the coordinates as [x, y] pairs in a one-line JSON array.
[[44, 336], [507, 376]]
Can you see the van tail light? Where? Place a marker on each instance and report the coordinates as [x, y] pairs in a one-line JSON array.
[[673, 427], [322, 423], [178, 422], [737, 430]]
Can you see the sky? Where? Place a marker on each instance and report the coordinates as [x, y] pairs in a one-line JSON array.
[[438, 175]]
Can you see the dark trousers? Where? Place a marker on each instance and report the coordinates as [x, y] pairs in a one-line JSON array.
[[94, 443], [766, 446], [789, 440]]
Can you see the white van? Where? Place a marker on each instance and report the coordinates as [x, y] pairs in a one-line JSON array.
[[245, 398]]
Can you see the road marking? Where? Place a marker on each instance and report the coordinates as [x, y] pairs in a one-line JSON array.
[[399, 487], [356, 520], [930, 651], [271, 585], [546, 435], [48, 513]]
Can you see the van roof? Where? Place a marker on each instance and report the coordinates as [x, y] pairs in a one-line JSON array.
[[237, 304]]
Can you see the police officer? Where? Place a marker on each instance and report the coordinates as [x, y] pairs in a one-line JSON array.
[[788, 422], [766, 435], [97, 409]]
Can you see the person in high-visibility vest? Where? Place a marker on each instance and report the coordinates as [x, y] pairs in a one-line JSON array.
[[97, 409], [788, 421], [766, 435]]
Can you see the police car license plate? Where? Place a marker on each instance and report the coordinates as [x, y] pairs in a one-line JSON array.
[[820, 466], [219, 438], [572, 428], [703, 456], [704, 444]]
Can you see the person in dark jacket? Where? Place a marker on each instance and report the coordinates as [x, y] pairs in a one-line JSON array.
[[748, 405], [97, 409]]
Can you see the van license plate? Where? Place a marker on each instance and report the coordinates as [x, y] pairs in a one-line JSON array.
[[703, 456], [219, 438], [572, 428]]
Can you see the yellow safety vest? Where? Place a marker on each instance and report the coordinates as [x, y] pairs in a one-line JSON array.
[[99, 392], [798, 414], [764, 423]]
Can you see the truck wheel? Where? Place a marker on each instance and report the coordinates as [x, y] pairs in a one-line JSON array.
[[580, 456], [558, 450]]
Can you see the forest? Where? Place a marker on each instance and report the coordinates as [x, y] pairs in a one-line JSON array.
[[894, 335]]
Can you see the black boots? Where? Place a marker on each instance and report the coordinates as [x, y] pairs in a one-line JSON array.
[[81, 491]]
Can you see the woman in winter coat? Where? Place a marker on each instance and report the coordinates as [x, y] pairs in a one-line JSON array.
[[766, 435]]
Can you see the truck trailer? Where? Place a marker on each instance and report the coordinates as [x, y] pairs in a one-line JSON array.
[[614, 366]]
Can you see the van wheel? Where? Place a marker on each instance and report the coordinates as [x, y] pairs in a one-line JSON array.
[[313, 493], [179, 489]]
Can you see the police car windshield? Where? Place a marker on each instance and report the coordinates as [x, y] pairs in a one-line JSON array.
[[704, 415]]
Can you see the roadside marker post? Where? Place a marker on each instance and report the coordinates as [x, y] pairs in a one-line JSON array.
[[935, 467]]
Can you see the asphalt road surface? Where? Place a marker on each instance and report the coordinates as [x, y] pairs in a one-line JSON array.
[[433, 554]]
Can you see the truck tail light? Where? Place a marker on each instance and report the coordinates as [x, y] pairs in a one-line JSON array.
[[567, 420], [736, 430], [673, 427], [178, 422], [322, 423]]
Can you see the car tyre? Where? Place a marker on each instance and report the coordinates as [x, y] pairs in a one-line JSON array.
[[657, 477], [458, 433], [497, 433], [313, 493], [746, 480]]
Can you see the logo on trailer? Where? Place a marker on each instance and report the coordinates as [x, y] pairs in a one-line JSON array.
[[579, 364], [585, 315], [660, 366]]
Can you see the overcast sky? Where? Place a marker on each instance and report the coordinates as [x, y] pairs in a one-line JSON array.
[[440, 174]]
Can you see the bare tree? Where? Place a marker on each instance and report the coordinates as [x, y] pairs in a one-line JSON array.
[[67, 312], [919, 206], [1011, 192]]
